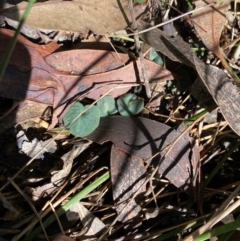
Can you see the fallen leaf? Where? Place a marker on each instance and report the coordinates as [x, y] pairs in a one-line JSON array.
[[29, 53], [39, 192], [99, 17], [174, 48], [223, 91], [216, 80], [44, 50], [26, 110], [31, 148], [199, 91], [91, 224], [143, 138], [33, 79], [209, 24], [91, 61], [128, 176], [58, 178]]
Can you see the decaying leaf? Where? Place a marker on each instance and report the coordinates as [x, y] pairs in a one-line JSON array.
[[58, 178], [99, 17], [91, 61], [127, 175], [44, 50], [174, 48], [92, 225], [31, 148], [223, 91], [209, 24], [143, 138], [217, 82], [34, 79], [26, 110]]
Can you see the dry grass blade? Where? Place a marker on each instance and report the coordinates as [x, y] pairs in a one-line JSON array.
[[213, 221]]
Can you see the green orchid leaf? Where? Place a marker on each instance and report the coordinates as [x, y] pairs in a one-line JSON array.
[[129, 105], [86, 123], [156, 57], [107, 106]]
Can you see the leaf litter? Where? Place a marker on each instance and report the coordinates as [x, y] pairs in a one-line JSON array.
[[49, 79]]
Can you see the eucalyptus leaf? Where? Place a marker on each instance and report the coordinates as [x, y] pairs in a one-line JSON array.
[[86, 123], [107, 106], [129, 105]]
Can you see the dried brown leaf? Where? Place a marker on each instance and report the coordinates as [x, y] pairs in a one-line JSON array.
[[216, 80], [33, 79], [223, 92], [100, 17], [127, 175], [143, 138], [86, 61], [25, 111], [209, 24]]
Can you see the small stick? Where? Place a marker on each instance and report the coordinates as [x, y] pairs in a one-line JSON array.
[[169, 21], [139, 51]]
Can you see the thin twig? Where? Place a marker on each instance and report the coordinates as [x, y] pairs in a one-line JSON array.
[[169, 21], [139, 51], [213, 221], [31, 205]]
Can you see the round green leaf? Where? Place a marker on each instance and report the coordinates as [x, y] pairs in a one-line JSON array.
[[86, 123], [72, 113], [129, 105], [107, 106]]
